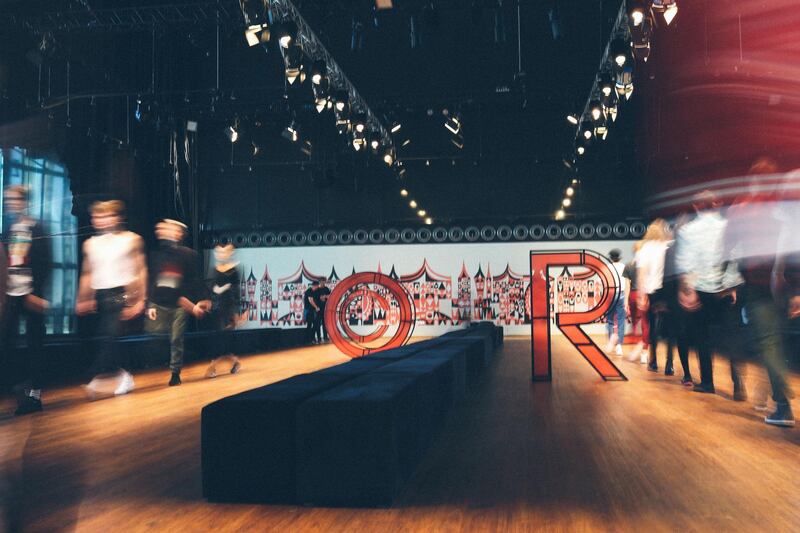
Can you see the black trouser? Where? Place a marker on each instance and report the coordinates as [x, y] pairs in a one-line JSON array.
[[765, 332], [110, 303], [319, 325], [656, 307], [311, 324], [718, 326], [25, 365], [676, 329]]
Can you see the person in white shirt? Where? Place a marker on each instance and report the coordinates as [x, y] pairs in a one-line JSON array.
[[113, 284], [618, 313], [707, 288]]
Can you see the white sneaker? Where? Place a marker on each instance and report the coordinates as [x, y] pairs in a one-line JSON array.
[[611, 342], [643, 357], [126, 384], [618, 351]]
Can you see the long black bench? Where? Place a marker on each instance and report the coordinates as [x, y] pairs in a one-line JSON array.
[[345, 435]]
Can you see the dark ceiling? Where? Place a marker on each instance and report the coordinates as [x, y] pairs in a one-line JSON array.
[[462, 56]]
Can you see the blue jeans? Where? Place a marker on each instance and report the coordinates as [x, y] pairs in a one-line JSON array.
[[617, 312]]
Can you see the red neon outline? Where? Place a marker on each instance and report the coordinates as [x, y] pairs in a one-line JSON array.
[[343, 337], [569, 323]]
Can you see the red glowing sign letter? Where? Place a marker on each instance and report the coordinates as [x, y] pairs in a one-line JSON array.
[[569, 323], [356, 297]]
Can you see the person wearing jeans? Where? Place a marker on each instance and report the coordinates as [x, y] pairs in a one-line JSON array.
[[175, 278], [618, 313]]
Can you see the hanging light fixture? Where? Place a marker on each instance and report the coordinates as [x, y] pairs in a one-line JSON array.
[[667, 8]]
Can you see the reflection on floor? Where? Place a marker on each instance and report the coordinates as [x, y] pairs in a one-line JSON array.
[[569, 455]]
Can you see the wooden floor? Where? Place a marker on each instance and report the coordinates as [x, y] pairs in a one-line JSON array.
[[576, 454]]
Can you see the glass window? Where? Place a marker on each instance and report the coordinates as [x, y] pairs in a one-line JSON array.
[[51, 203]]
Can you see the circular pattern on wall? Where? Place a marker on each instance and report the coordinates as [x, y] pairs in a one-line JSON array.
[[376, 236], [537, 232], [408, 235], [603, 230], [254, 240], [330, 237], [439, 234], [392, 235], [569, 231], [284, 238], [456, 234], [299, 238], [520, 232], [369, 297], [472, 233], [620, 230], [345, 236], [586, 231], [553, 232], [638, 229], [488, 233], [504, 233], [423, 235], [360, 236], [314, 238]]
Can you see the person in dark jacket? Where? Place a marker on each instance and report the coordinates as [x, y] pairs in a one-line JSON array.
[[175, 286], [226, 303], [29, 260]]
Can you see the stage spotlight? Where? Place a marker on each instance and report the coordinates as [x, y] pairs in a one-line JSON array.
[[396, 127], [288, 34], [619, 51], [360, 123], [413, 204], [668, 8], [458, 141], [587, 129], [574, 181], [257, 33], [636, 12], [566, 202], [341, 100], [580, 146], [255, 149], [359, 141], [306, 148], [624, 81], [403, 192], [293, 61], [640, 39], [453, 123], [572, 119], [596, 110], [231, 133], [560, 214], [256, 20], [319, 72], [374, 141], [605, 83], [570, 191], [388, 156], [402, 172], [290, 132], [428, 221], [405, 143], [321, 94], [422, 212]]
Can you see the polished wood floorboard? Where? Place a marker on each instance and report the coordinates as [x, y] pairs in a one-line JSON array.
[[576, 454]]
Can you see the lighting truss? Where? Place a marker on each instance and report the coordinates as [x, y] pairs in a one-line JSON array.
[[316, 51]]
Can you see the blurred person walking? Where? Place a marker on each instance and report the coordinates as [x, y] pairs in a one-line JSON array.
[[28, 267], [708, 281], [618, 313], [311, 311], [321, 295], [176, 284], [650, 282], [113, 284], [225, 306], [637, 319]]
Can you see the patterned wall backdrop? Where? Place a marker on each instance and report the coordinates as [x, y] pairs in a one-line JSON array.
[[450, 284]]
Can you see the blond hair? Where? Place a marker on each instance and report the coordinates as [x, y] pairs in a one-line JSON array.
[[658, 230], [22, 190], [108, 207]]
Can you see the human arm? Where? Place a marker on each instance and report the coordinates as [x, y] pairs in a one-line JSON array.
[[85, 302], [136, 292]]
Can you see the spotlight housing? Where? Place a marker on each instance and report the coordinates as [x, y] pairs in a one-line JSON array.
[[667, 8], [291, 132], [293, 62], [413, 204], [319, 72], [619, 50], [453, 123], [560, 214], [231, 133], [572, 119], [403, 192], [287, 35], [428, 221]]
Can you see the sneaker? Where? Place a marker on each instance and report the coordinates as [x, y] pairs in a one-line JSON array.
[[612, 341], [175, 379], [669, 371], [761, 406], [781, 416], [643, 359], [652, 368], [703, 388], [126, 384], [235, 368], [27, 404], [618, 351], [686, 381]]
